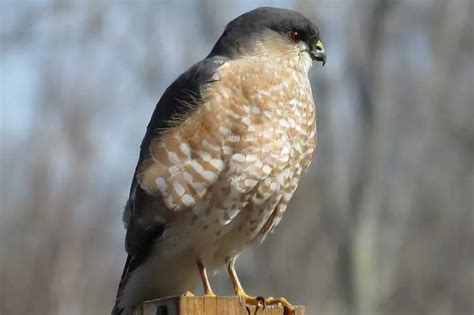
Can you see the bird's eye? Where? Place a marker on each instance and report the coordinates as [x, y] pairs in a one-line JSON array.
[[295, 36]]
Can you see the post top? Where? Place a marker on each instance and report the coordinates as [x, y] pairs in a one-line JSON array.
[[207, 305]]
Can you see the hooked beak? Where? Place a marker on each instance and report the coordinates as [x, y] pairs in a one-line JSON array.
[[317, 52]]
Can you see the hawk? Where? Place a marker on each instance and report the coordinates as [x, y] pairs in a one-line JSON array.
[[222, 156]]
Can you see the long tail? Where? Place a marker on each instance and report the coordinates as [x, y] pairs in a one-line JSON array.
[[129, 267]]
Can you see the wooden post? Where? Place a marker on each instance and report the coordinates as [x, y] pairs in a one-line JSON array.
[[203, 305]]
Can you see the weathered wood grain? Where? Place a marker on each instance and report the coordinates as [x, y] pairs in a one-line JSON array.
[[203, 305]]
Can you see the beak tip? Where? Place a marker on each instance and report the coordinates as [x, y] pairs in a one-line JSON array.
[[319, 55]]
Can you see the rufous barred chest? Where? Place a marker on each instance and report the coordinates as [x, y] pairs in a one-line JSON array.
[[236, 160]]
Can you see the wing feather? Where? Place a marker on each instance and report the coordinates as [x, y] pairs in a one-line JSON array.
[[147, 206]]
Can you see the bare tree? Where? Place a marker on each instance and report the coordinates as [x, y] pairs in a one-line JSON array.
[[382, 224]]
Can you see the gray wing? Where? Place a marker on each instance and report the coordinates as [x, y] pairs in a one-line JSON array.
[[181, 98]]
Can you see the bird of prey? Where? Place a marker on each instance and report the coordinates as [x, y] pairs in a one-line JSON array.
[[225, 149]]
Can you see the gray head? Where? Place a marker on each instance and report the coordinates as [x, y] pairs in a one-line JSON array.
[[272, 32]]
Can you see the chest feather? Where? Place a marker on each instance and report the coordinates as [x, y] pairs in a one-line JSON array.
[[253, 136]]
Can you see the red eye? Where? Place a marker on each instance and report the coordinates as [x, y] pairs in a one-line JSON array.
[[295, 36]]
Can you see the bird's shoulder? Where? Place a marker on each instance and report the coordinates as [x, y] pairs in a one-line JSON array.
[[145, 212], [182, 96]]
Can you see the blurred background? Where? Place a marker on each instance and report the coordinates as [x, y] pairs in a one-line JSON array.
[[382, 224]]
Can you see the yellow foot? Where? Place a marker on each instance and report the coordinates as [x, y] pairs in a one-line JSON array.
[[210, 294], [260, 302], [188, 293], [256, 301], [289, 308]]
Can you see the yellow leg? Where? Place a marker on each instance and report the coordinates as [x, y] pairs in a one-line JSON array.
[[205, 280], [236, 282], [257, 301]]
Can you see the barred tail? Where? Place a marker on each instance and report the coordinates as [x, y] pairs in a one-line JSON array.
[[117, 310]]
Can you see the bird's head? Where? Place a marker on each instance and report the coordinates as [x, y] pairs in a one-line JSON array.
[[284, 36]]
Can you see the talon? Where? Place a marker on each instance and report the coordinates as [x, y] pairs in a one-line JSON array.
[[247, 308], [288, 308], [188, 293], [251, 300], [261, 300]]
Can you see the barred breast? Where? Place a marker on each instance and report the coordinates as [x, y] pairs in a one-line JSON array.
[[231, 167]]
